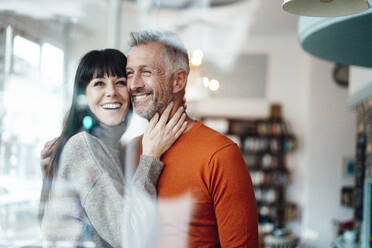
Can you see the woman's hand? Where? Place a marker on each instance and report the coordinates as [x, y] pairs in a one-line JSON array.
[[160, 134], [46, 154]]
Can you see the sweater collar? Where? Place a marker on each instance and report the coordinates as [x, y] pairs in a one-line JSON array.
[[110, 135]]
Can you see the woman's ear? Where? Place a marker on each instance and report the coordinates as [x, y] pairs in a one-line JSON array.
[[179, 81]]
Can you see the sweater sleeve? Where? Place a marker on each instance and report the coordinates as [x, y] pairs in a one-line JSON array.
[[234, 201], [82, 188], [147, 174], [130, 214], [63, 217]]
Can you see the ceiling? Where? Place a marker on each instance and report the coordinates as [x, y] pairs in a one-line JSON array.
[[266, 17], [270, 19]]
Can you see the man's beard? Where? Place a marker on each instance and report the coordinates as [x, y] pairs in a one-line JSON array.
[[155, 105]]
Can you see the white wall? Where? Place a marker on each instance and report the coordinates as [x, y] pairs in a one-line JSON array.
[[331, 137]]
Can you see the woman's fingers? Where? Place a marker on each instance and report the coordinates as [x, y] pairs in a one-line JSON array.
[[48, 148], [45, 155], [179, 123], [175, 118], [165, 115], [181, 130], [153, 121], [161, 133]]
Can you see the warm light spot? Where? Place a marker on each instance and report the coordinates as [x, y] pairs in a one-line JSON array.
[[196, 61], [214, 85], [197, 57], [198, 53]]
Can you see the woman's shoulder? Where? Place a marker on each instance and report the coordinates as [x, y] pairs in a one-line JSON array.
[[76, 141], [77, 149], [77, 169], [80, 141]]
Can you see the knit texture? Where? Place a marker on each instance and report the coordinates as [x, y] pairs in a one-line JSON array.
[[88, 201], [205, 193]]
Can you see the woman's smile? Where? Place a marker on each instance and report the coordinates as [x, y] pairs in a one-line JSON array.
[[111, 106]]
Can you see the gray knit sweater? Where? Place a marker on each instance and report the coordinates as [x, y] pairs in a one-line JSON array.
[[88, 200]]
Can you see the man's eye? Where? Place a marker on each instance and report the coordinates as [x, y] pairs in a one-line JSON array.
[[146, 73], [121, 83], [98, 83], [129, 73]]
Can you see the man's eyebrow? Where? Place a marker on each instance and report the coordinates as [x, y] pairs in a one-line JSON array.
[[139, 66]]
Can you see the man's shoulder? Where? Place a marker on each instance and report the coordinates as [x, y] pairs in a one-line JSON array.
[[210, 138], [209, 133]]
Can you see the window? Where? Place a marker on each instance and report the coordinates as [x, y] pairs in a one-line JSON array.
[[32, 114]]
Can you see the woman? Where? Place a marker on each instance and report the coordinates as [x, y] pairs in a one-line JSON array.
[[84, 190]]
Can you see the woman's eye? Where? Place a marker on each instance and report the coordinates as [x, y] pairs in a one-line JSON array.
[[129, 74], [147, 73], [121, 83], [99, 83]]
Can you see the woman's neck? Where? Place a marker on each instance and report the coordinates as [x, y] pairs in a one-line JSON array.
[[110, 135]]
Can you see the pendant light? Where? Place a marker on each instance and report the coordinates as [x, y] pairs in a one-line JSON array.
[[325, 8]]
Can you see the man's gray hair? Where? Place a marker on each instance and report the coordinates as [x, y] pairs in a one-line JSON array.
[[175, 51]]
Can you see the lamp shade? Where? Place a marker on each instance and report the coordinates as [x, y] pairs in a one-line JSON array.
[[325, 8], [344, 40]]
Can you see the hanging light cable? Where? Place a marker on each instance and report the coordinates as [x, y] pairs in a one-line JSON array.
[[325, 8]]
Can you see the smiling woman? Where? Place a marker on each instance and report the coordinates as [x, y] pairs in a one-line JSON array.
[[87, 161]]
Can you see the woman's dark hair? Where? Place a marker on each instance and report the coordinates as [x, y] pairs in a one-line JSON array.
[[96, 63]]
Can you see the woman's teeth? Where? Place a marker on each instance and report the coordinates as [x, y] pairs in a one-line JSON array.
[[111, 106]]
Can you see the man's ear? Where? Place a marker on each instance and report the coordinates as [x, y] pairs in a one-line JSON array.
[[179, 81]]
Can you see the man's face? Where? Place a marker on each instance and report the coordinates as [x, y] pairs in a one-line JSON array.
[[148, 81]]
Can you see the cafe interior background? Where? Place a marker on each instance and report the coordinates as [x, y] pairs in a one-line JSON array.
[[294, 91]]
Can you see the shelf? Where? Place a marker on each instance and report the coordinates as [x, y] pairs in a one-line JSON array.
[[263, 152], [270, 186], [269, 204], [259, 168]]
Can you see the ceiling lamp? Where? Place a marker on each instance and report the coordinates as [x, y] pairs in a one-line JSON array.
[[325, 8]]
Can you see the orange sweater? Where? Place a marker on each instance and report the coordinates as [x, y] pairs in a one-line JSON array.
[[205, 193]]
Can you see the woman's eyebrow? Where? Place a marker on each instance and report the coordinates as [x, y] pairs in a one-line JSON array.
[[97, 78]]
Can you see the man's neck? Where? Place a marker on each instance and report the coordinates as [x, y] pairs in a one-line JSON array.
[[190, 123], [189, 120]]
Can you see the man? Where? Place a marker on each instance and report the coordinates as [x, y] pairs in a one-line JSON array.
[[202, 163]]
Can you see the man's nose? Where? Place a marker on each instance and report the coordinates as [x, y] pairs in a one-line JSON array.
[[135, 82]]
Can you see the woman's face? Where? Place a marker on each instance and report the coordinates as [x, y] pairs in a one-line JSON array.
[[108, 99]]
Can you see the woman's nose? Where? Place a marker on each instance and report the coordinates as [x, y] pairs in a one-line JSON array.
[[110, 91]]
